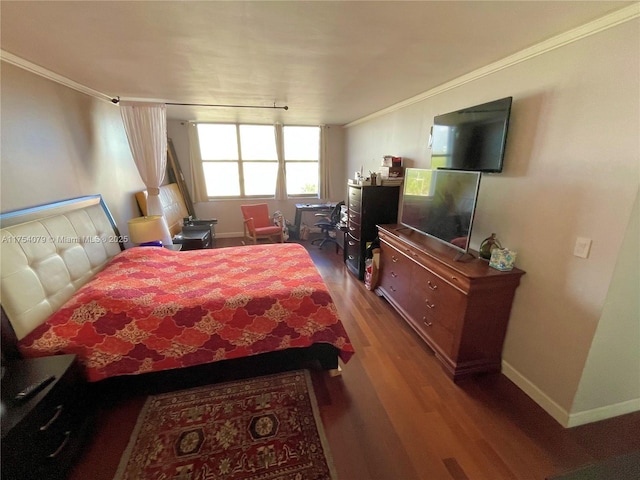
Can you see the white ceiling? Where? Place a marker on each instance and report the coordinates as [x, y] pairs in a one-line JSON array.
[[330, 62]]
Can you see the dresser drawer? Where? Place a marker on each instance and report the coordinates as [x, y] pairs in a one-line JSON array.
[[437, 298], [355, 194], [355, 230], [395, 273], [353, 253], [355, 199], [355, 217], [42, 436], [440, 337]]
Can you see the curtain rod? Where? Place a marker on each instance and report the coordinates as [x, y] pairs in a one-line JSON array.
[[117, 100]]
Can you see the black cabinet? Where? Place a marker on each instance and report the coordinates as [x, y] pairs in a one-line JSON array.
[[194, 239], [42, 436], [368, 206]]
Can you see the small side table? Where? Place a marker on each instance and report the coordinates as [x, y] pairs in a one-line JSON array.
[[42, 436], [193, 239], [198, 224]]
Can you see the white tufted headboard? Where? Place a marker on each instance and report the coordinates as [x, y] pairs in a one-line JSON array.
[[48, 252]]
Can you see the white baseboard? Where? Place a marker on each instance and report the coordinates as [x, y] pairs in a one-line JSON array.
[[537, 395], [241, 234], [230, 235], [602, 413], [563, 417]]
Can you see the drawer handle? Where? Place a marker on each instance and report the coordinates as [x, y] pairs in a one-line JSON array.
[[351, 244], [429, 305], [392, 288], [351, 257], [394, 259], [394, 274], [352, 228], [67, 436], [454, 278], [424, 320], [432, 286], [46, 426]]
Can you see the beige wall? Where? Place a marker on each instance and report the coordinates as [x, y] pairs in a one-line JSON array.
[[227, 212], [613, 365], [57, 143], [571, 170]]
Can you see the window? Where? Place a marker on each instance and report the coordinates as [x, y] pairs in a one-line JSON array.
[[302, 159], [242, 160]]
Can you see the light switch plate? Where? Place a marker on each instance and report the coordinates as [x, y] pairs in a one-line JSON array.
[[582, 248]]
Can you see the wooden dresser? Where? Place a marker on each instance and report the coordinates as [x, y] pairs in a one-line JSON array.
[[368, 206], [459, 308], [42, 436]]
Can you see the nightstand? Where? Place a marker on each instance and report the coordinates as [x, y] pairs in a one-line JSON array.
[[42, 436], [193, 239]]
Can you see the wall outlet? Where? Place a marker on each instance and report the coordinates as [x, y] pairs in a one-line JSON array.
[[583, 245]]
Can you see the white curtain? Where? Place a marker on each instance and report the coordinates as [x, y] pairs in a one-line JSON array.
[[146, 128], [325, 190], [198, 184], [281, 179]]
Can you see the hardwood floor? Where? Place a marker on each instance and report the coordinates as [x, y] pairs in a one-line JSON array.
[[393, 414]]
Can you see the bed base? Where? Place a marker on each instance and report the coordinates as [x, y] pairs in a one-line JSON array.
[[321, 356]]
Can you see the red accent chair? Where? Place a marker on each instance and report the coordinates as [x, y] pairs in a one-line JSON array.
[[258, 223]]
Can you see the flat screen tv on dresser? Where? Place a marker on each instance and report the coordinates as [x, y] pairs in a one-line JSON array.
[[441, 204]]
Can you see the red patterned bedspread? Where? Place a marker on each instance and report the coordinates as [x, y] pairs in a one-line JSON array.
[[154, 309]]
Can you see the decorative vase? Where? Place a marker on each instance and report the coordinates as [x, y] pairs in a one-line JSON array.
[[488, 245]]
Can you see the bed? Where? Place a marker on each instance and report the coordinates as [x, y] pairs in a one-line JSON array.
[[69, 286]]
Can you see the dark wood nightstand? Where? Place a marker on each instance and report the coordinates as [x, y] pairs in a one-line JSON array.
[[42, 436], [193, 239]]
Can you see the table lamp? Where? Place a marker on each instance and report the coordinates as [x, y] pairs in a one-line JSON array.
[[147, 231]]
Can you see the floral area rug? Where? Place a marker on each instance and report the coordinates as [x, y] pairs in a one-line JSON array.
[[264, 428]]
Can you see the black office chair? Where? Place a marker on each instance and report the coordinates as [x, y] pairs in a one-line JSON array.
[[328, 225]]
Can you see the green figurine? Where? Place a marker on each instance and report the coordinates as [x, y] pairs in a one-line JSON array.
[[487, 245]]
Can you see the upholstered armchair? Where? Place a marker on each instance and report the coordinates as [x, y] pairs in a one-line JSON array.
[[258, 223]]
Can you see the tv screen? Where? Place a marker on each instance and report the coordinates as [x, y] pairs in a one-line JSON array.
[[441, 204], [473, 138]]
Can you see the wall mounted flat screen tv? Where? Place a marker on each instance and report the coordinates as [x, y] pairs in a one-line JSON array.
[[473, 138], [441, 204]]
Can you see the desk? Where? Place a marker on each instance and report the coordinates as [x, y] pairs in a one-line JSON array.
[[326, 208]]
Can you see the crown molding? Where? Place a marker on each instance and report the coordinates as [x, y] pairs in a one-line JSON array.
[[48, 74], [608, 21]]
